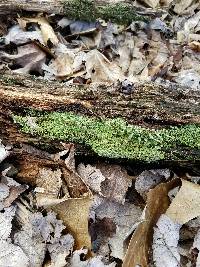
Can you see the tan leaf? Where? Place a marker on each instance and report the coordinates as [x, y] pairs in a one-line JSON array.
[[157, 203], [100, 69], [74, 213], [47, 31], [151, 3], [186, 204]]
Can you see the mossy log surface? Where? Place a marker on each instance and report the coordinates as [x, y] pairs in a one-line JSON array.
[[119, 11], [152, 123]]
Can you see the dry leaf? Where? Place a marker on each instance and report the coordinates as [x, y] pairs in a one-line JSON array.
[[12, 255], [48, 187], [111, 181], [100, 69], [151, 3], [6, 218], [4, 153], [125, 217], [47, 31], [60, 250], [157, 203], [185, 6], [196, 245], [76, 260], [30, 58], [9, 190], [149, 179], [186, 204], [18, 36], [165, 243], [75, 213]]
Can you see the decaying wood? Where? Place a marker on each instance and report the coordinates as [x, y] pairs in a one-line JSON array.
[[147, 103], [76, 9]]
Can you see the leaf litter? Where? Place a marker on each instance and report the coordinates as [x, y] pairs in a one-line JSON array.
[[57, 212]]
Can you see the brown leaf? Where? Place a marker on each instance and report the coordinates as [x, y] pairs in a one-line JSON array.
[[186, 204], [74, 212], [157, 203]]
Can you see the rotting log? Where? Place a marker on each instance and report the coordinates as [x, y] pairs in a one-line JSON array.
[[153, 122], [120, 11]]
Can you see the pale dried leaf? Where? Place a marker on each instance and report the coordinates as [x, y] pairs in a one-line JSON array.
[[34, 248], [12, 255], [18, 36], [165, 242], [125, 217], [91, 176], [149, 179], [93, 262], [30, 57], [3, 152], [47, 31], [48, 186], [186, 204], [6, 218], [182, 6], [60, 250], [99, 68], [15, 189], [151, 3], [116, 182]]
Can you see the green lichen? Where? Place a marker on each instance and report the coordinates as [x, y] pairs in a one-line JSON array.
[[114, 138], [88, 10]]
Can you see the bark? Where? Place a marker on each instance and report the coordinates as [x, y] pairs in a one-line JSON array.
[[122, 11], [149, 104]]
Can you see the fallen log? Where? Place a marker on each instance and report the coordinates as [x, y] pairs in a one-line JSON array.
[[119, 11], [152, 122]]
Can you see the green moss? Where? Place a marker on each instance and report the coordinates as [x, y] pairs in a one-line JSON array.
[[113, 138], [121, 13]]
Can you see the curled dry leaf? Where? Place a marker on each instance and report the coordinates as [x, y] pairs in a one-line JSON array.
[[186, 204], [9, 190], [125, 216], [47, 31], [30, 58], [110, 181], [18, 36], [157, 204], [75, 212], [149, 179], [165, 242], [99, 68]]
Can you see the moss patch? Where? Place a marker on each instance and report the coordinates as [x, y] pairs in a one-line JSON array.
[[113, 138], [88, 10]]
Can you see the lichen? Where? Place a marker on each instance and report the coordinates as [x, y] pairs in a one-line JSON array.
[[88, 10], [113, 138]]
